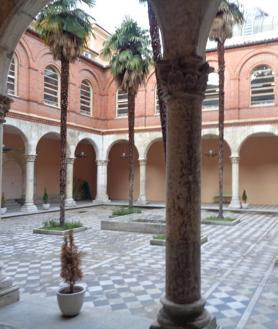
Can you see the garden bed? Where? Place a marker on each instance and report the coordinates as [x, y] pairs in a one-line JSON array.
[[160, 240], [213, 220], [54, 228]]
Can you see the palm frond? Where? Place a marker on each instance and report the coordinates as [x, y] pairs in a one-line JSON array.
[[65, 28]]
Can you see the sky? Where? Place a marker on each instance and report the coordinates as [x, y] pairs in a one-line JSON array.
[[110, 13]]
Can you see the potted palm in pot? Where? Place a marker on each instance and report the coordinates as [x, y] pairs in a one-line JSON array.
[[70, 298], [45, 204], [3, 208], [244, 198]]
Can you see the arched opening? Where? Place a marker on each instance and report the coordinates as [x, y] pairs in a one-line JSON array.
[[155, 179], [13, 187], [210, 173], [84, 172], [117, 182], [47, 167], [258, 169]]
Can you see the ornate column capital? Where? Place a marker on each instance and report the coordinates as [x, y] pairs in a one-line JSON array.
[[30, 157], [5, 104], [70, 160], [181, 76], [102, 162]]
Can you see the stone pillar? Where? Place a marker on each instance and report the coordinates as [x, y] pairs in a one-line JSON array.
[[143, 166], [102, 181], [235, 202], [183, 84], [69, 202], [5, 103], [29, 205], [9, 293]]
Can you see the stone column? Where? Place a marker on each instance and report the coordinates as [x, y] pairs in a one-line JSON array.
[[143, 166], [235, 202], [183, 84], [102, 181], [5, 103], [9, 293], [29, 205], [69, 202]]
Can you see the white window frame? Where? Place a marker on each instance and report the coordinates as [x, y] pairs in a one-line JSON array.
[[58, 105], [14, 77], [216, 94], [271, 102], [117, 105], [91, 99], [156, 103]]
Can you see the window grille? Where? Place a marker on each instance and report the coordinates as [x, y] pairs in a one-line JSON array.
[[85, 98], [12, 77], [156, 111], [51, 86], [262, 86], [122, 103], [212, 92]]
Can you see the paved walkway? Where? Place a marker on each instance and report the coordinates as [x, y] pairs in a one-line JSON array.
[[125, 274]]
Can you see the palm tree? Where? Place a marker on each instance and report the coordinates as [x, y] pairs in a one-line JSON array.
[[228, 15], [130, 58], [65, 28], [157, 56]]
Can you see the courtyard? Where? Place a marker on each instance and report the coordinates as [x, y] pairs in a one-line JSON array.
[[124, 274]]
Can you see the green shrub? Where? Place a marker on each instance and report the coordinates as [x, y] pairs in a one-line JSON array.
[[54, 225], [160, 237], [122, 211], [225, 219], [45, 196], [244, 196]]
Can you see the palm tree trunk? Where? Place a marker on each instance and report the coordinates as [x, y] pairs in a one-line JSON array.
[[157, 56], [131, 110], [63, 135], [221, 72]]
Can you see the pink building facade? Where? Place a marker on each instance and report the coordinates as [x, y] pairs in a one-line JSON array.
[[97, 134]]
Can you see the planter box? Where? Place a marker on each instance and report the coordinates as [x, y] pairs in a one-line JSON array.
[[220, 222], [136, 227], [159, 242], [53, 232]]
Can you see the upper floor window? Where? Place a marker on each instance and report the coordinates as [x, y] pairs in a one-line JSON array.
[[51, 86], [12, 77], [156, 111], [86, 93], [122, 103], [212, 92], [262, 85]]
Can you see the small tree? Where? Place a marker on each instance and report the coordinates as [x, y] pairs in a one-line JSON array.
[[244, 196], [70, 262], [45, 196]]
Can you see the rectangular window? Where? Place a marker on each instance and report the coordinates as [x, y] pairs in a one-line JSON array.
[[122, 104]]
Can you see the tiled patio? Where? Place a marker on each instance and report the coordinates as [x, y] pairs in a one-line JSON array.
[[125, 274]]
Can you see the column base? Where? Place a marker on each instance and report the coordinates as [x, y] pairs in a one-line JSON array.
[[29, 207], [235, 204], [102, 199], [184, 316], [70, 203], [142, 200]]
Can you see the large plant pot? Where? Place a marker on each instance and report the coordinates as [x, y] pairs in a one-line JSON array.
[[3, 210], [45, 206], [244, 205], [70, 304]]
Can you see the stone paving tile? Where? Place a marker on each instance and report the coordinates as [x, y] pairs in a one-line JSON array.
[[123, 272]]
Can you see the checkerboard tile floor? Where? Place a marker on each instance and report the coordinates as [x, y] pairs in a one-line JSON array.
[[123, 272]]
